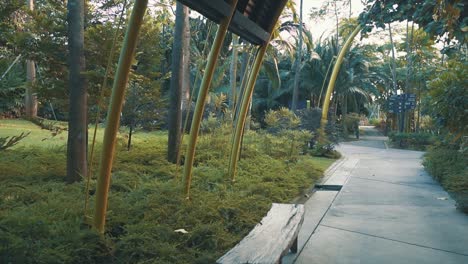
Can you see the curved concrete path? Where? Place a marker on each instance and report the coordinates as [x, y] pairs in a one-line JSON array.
[[389, 210]]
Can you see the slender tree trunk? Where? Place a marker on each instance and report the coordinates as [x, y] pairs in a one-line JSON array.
[[130, 133], [409, 72], [186, 60], [344, 112], [30, 100], [233, 73], [175, 111], [77, 123], [350, 9], [337, 27], [394, 80], [297, 65]]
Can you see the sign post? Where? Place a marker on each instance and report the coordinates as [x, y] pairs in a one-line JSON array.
[[399, 104]]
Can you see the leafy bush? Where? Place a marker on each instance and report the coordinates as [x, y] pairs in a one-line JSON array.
[[375, 122], [417, 141], [323, 144], [351, 124], [448, 101], [447, 163], [310, 118], [281, 119]]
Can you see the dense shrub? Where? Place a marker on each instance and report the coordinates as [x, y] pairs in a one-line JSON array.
[[281, 119], [447, 163], [310, 118], [351, 124], [417, 141]]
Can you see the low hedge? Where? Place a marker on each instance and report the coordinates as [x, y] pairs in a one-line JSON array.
[[416, 141], [447, 163]]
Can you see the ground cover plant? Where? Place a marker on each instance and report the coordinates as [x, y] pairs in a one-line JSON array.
[[41, 217]]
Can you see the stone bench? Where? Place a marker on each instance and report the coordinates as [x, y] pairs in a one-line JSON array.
[[271, 239]]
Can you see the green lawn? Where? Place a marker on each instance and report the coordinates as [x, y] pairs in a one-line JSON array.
[[42, 218]]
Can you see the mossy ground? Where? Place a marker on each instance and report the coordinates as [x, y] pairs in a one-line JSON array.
[[42, 218]]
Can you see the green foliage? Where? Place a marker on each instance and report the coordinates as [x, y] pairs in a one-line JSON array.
[[375, 122], [448, 102], [323, 144], [12, 85], [446, 162], [8, 142], [417, 141], [310, 118], [41, 217], [436, 17], [351, 123], [281, 119]]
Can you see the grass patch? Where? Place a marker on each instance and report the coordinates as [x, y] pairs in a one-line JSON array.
[[41, 217]]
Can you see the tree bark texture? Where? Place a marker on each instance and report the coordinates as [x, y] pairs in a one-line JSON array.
[[30, 98], [297, 65], [186, 62], [77, 122], [177, 81]]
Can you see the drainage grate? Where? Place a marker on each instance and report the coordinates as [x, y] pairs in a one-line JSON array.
[[328, 187]]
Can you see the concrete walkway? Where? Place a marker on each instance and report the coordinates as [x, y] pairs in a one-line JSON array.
[[389, 210]]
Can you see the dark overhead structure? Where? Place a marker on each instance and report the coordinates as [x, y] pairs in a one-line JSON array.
[[253, 20]]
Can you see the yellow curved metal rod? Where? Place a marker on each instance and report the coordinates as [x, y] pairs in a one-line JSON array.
[[247, 96], [113, 114], [202, 94], [336, 70]]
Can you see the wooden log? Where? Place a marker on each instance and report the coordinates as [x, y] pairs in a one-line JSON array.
[[271, 239]]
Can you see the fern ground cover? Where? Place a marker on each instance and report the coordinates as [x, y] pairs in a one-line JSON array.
[[42, 219]]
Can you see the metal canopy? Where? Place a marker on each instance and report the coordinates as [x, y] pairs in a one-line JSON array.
[[253, 20]]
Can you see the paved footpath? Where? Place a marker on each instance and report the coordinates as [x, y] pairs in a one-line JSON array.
[[389, 210]]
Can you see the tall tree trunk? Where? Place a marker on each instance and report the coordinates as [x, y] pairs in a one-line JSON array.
[[350, 9], [394, 80], [337, 27], [30, 99], [130, 134], [186, 60], [297, 65], [175, 111], [77, 123], [409, 70], [233, 73]]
